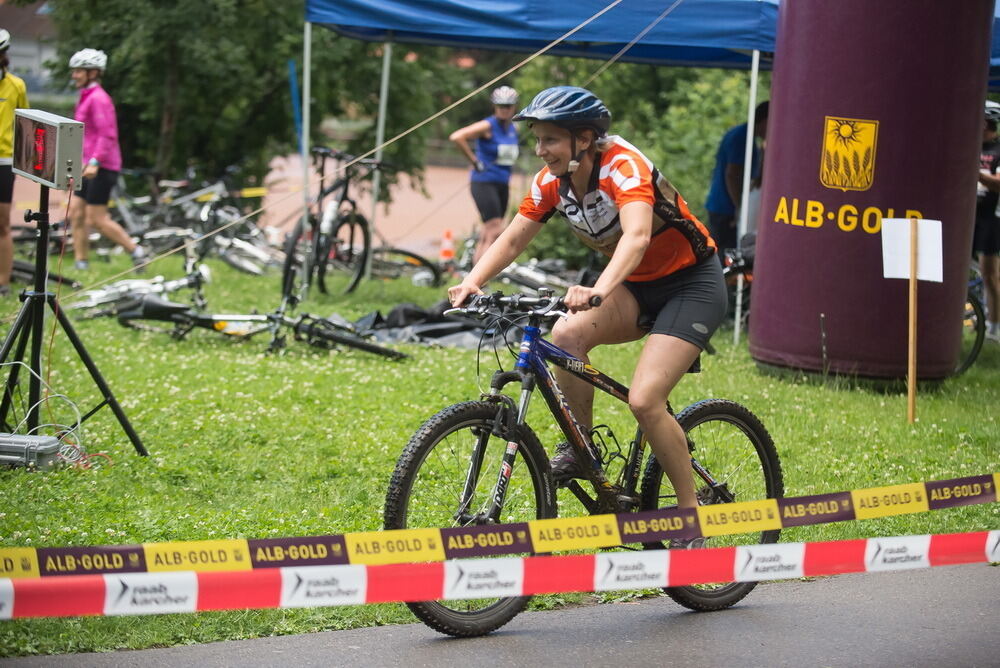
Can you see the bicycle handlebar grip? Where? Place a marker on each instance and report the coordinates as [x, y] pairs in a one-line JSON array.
[[596, 300]]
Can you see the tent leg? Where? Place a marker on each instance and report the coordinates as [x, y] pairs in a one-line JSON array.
[[306, 108], [745, 195], [383, 103]]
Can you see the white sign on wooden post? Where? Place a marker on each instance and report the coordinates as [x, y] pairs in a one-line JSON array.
[[912, 249]]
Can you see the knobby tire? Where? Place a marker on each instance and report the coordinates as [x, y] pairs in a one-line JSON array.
[[426, 490], [733, 444]]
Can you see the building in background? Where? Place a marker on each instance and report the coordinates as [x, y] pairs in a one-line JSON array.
[[33, 42]]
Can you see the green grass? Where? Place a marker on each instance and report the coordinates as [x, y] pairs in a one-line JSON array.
[[248, 445]]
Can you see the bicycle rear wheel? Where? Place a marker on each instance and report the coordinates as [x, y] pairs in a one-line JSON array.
[[392, 263], [427, 488], [732, 444], [326, 334], [298, 262], [342, 254], [973, 333]]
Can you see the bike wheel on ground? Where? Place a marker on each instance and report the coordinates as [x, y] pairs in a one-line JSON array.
[[325, 334], [392, 263], [732, 444], [973, 333], [342, 254], [439, 481]]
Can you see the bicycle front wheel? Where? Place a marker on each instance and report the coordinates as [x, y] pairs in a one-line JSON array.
[[446, 478], [392, 263], [342, 254], [973, 333], [732, 444]]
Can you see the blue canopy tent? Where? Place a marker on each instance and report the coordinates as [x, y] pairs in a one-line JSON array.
[[699, 33]]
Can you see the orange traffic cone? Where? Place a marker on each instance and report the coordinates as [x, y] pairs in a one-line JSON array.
[[446, 253]]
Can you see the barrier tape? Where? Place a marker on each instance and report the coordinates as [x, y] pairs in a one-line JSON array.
[[537, 536], [351, 584]]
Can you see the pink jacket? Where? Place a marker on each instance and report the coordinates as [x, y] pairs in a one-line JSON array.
[[100, 127]]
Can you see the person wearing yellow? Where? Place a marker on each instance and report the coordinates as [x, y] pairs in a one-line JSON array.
[[12, 96]]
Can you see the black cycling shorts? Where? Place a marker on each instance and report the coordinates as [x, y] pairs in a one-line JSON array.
[[6, 184], [689, 304], [986, 237], [97, 190], [491, 199]]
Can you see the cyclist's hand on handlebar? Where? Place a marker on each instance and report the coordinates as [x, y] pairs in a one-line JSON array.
[[457, 294], [580, 298]]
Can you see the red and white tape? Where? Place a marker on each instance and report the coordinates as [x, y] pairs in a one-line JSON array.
[[352, 584]]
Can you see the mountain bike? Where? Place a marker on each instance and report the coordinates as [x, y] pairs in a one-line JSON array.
[[480, 462], [332, 245], [109, 299], [151, 312]]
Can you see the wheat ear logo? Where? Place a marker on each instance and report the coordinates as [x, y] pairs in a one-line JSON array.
[[848, 153]]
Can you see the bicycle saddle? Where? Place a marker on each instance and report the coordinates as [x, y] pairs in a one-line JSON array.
[[151, 306]]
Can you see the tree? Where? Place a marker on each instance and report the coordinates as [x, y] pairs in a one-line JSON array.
[[206, 81]]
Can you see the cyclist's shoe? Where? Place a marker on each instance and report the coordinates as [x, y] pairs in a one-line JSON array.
[[687, 543], [82, 265], [992, 332], [564, 464]]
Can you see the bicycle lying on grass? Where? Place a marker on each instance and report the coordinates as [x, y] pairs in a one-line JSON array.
[[108, 299], [151, 312], [479, 462]]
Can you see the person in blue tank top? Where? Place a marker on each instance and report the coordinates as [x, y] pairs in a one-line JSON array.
[[495, 152]]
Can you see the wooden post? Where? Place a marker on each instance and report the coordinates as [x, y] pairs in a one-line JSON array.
[[911, 375]]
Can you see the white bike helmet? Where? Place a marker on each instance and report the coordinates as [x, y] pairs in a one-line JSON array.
[[89, 59], [4, 39], [992, 111], [504, 95]]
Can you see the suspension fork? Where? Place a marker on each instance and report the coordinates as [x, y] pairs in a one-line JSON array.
[[509, 417]]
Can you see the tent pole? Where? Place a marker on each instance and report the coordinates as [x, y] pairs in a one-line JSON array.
[[306, 104], [383, 103], [745, 195]]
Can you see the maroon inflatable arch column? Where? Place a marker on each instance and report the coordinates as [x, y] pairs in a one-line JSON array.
[[876, 112]]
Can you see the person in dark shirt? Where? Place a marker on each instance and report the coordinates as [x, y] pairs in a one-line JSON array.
[[986, 238], [727, 178]]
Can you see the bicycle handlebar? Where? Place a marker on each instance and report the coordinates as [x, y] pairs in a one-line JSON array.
[[370, 163], [546, 306]]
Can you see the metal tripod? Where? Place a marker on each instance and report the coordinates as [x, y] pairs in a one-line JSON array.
[[29, 326]]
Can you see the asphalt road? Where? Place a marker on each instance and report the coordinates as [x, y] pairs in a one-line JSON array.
[[945, 616]]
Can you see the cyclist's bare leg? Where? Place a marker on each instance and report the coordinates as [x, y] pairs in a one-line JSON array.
[[98, 218], [989, 266], [6, 245], [663, 362], [489, 232], [78, 226], [614, 321]]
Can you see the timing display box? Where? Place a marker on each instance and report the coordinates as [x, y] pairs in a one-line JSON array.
[[47, 148]]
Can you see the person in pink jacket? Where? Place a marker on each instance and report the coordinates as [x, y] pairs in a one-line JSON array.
[[102, 159]]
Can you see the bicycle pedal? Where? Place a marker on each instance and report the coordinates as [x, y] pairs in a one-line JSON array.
[[626, 503]]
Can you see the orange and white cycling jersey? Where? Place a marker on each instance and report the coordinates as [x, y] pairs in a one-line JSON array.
[[621, 175]]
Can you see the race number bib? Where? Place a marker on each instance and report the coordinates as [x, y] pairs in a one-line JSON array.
[[506, 154]]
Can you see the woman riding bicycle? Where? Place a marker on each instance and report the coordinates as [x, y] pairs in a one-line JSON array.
[[661, 279]]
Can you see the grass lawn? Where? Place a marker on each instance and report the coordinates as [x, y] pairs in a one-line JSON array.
[[249, 445]]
